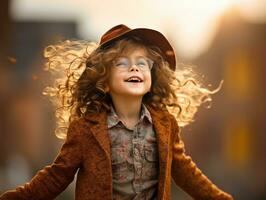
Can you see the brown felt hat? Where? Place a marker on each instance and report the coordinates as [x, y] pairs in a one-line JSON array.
[[150, 36]]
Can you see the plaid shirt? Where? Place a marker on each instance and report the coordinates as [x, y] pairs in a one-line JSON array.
[[134, 157]]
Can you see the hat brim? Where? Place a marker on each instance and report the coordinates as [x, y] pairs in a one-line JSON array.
[[152, 37]]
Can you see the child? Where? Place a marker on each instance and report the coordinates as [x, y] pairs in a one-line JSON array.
[[124, 137]]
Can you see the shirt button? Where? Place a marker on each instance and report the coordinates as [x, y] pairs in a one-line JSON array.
[[136, 152], [138, 171]]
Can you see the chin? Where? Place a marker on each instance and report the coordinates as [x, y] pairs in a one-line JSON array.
[[136, 94]]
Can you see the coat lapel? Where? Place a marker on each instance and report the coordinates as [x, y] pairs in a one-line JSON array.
[[162, 128], [98, 128], [161, 124]]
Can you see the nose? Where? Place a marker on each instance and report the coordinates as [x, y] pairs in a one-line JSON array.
[[133, 67]]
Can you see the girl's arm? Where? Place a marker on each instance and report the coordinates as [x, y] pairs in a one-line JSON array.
[[53, 179], [186, 174]]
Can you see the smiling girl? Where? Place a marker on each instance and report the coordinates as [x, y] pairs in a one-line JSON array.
[[124, 111]]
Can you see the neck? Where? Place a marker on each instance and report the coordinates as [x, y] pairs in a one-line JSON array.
[[127, 108]]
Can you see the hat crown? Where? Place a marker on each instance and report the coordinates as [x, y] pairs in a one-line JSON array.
[[114, 32]]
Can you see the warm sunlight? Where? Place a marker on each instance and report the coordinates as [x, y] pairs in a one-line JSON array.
[[191, 25], [195, 22]]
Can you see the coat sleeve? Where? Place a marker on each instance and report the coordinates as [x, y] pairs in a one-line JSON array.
[[188, 177], [53, 179]]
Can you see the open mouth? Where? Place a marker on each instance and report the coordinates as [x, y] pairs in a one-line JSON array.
[[134, 79]]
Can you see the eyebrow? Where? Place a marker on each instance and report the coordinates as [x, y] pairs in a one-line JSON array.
[[135, 57]]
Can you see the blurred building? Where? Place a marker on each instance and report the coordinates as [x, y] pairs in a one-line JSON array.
[[27, 139], [233, 129]]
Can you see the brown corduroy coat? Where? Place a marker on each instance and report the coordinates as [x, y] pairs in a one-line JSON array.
[[87, 149]]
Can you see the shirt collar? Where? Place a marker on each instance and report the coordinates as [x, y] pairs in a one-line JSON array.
[[113, 119]]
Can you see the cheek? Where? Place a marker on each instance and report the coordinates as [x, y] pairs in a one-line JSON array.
[[149, 79], [116, 76], [115, 80]]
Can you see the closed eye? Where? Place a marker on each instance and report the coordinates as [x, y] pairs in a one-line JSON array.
[[121, 64], [141, 64]]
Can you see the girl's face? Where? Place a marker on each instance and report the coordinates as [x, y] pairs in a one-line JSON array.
[[130, 74]]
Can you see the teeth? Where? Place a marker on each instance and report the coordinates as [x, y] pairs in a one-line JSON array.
[[134, 79]]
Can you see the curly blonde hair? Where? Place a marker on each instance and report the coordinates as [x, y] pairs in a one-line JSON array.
[[82, 70]]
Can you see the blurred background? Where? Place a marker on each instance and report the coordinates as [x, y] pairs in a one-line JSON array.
[[225, 40]]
